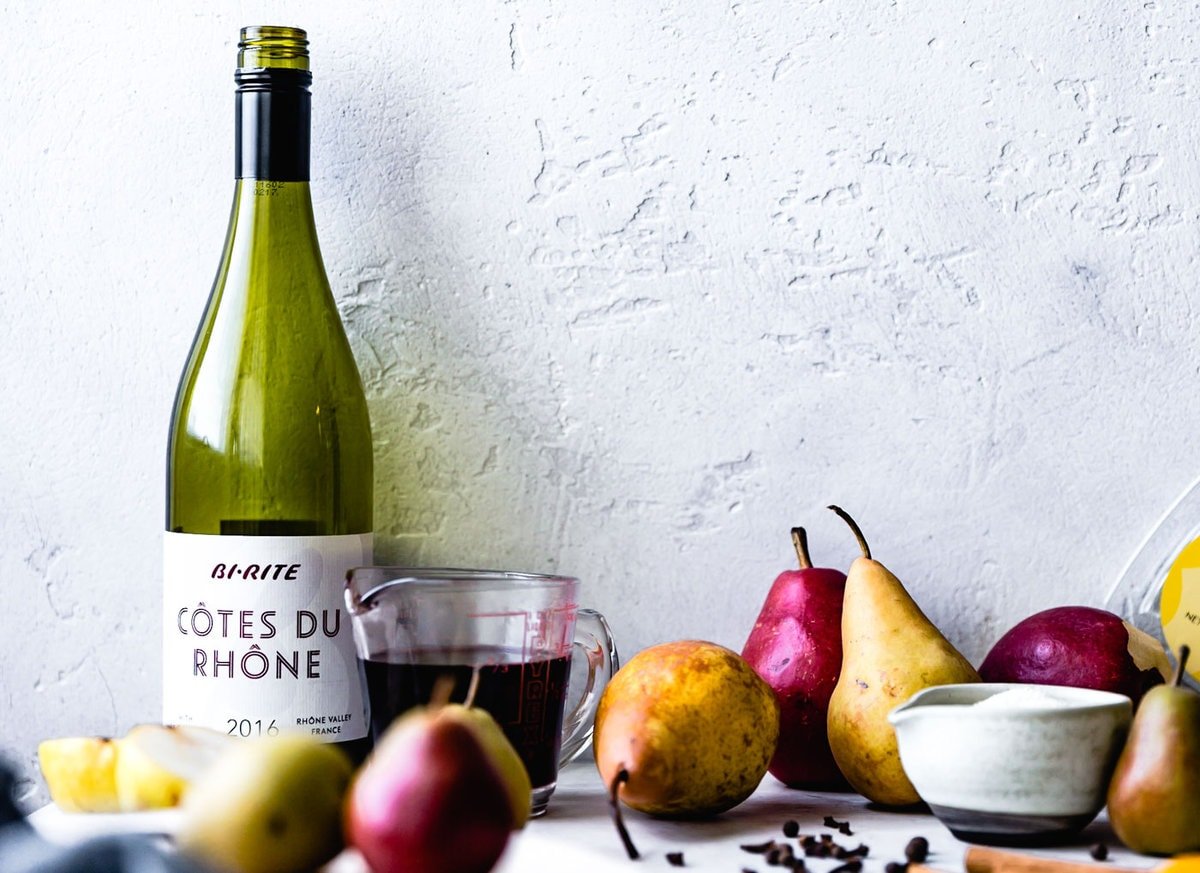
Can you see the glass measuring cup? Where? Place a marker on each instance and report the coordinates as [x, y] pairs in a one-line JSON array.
[[517, 632]]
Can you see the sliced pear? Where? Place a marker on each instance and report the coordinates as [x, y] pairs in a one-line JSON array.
[[1147, 653], [157, 764], [81, 773]]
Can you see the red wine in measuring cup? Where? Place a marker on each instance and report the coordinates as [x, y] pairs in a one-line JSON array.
[[526, 697]]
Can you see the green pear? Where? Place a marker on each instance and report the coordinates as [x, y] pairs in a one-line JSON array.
[[1154, 796], [890, 651], [271, 805]]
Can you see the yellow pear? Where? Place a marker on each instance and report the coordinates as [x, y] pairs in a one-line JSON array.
[[81, 773], [890, 651], [685, 729]]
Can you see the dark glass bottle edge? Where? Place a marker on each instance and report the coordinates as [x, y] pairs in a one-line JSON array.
[[272, 79]]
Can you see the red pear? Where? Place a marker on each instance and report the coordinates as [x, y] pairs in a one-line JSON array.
[[796, 647], [429, 800], [1079, 646]]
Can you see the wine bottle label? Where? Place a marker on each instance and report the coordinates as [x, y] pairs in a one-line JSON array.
[[256, 636]]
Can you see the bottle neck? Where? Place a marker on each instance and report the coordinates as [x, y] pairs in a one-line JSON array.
[[271, 129], [273, 239]]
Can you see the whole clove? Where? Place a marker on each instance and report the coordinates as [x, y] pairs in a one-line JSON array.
[[859, 851], [795, 863], [759, 848], [849, 867], [818, 850], [675, 859], [842, 827], [825, 846], [781, 855], [1099, 852], [791, 828], [917, 850], [895, 867]]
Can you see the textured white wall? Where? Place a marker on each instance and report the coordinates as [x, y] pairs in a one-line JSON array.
[[634, 288]]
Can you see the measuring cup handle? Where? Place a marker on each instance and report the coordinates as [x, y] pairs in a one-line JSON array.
[[595, 641]]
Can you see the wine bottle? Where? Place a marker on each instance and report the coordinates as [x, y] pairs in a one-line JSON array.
[[269, 467]]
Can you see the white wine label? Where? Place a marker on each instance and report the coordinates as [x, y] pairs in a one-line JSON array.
[[256, 638]]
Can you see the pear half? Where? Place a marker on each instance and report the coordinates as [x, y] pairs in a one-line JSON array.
[[156, 764], [81, 773]]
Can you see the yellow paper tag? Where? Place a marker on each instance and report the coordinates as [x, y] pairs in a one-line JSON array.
[[1179, 604]]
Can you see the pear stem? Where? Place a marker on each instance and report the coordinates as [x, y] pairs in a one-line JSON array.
[[858, 534], [618, 819], [800, 541], [443, 688], [1181, 665], [472, 688]]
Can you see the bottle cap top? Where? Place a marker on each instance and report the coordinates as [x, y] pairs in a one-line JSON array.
[[269, 47]]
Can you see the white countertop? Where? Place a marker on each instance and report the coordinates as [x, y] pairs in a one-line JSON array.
[[576, 834], [577, 830]]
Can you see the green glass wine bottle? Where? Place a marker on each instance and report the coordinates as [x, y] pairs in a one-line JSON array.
[[269, 466]]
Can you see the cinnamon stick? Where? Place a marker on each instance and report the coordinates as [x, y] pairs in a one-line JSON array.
[[983, 860]]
